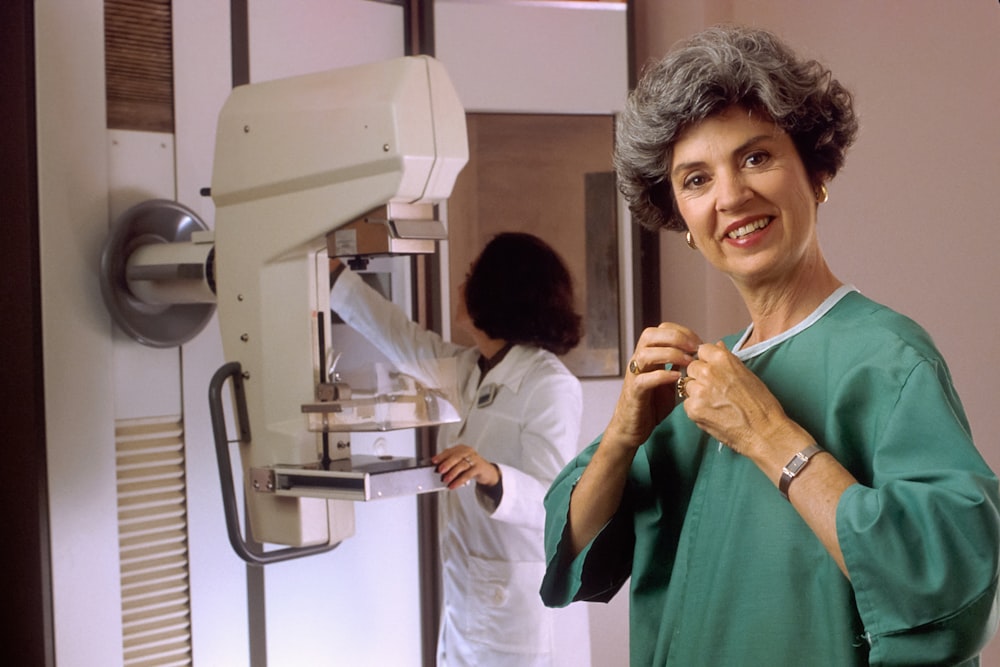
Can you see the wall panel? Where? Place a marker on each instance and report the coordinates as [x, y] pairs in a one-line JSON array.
[[77, 348]]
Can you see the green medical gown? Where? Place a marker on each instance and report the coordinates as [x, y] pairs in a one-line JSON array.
[[725, 572]]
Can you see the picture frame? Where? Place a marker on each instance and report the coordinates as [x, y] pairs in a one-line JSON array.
[[550, 175]]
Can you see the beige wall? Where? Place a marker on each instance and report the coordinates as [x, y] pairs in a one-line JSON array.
[[912, 219], [77, 346]]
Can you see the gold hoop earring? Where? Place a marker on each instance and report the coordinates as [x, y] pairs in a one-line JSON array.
[[690, 241], [823, 194]]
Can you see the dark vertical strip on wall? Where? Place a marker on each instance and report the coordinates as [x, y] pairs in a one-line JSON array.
[[646, 277], [645, 243], [239, 22], [27, 621]]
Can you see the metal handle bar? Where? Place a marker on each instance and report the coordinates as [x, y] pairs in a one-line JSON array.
[[234, 372]]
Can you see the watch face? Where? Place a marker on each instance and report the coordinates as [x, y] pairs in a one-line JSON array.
[[795, 465]]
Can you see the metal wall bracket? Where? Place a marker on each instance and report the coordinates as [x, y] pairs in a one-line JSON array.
[[161, 325]]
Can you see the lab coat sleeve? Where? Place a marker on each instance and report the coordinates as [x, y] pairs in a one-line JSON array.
[[549, 436], [922, 542], [410, 347]]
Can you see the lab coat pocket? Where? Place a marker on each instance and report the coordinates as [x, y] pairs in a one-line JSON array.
[[508, 613]]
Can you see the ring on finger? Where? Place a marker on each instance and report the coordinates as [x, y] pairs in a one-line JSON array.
[[682, 387], [468, 460], [633, 367]]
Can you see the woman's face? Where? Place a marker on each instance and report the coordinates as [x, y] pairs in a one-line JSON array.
[[743, 191]]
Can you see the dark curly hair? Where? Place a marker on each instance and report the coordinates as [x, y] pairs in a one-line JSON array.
[[519, 290], [718, 68]]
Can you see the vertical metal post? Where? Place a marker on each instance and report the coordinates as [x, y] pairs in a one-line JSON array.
[[418, 16], [256, 611], [239, 22]]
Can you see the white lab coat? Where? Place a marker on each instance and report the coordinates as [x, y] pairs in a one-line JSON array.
[[524, 415]]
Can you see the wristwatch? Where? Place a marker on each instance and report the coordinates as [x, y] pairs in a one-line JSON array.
[[795, 466]]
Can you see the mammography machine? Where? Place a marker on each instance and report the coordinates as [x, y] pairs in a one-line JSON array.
[[349, 162]]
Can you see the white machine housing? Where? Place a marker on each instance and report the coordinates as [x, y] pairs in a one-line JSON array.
[[295, 159]]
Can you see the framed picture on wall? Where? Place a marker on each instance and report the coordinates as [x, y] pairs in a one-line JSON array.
[[550, 175]]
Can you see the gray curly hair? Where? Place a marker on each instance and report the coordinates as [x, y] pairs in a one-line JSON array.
[[714, 70]]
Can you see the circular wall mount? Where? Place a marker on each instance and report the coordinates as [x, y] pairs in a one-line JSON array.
[[155, 325]]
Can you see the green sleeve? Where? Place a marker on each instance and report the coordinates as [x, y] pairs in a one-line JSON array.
[[568, 579], [920, 542]]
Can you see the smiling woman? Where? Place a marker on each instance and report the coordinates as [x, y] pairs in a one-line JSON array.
[[674, 97], [751, 207], [823, 441]]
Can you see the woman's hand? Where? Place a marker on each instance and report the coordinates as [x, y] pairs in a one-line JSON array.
[[647, 397], [461, 464], [648, 390], [730, 403]]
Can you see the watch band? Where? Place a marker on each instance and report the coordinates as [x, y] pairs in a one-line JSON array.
[[795, 466]]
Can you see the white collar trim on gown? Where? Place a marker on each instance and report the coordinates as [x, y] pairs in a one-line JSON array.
[[815, 316]]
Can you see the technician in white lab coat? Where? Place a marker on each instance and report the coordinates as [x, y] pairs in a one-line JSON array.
[[521, 410]]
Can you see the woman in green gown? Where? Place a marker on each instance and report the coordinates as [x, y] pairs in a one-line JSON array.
[[804, 492]]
